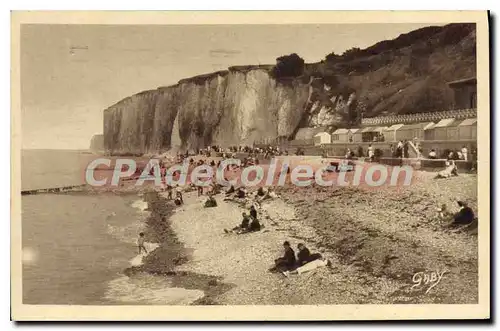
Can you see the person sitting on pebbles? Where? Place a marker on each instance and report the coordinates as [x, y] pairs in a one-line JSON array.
[[304, 255], [210, 202], [306, 261], [287, 261], [241, 193], [248, 224], [261, 192], [464, 217]]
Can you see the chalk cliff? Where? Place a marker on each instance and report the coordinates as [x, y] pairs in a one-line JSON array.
[[97, 143], [245, 104], [228, 108]]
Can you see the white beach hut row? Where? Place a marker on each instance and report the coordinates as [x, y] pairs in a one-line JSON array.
[[445, 129]]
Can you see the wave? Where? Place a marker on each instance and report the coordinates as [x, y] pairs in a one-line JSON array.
[[29, 256], [149, 289], [140, 204], [137, 260]]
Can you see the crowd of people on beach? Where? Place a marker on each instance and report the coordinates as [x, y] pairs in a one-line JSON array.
[[292, 263]]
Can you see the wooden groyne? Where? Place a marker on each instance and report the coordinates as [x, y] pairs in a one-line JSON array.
[[62, 189]]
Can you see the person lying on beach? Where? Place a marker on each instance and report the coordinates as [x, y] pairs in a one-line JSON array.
[[464, 217], [318, 263], [253, 227], [211, 202], [287, 261], [140, 243], [304, 255], [451, 170]]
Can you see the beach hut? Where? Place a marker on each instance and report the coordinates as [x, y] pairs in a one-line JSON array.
[[340, 136], [379, 133], [352, 137], [412, 131], [468, 129], [391, 134], [367, 133], [446, 129], [322, 138], [372, 133]]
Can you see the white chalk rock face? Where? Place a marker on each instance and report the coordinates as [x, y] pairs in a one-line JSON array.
[[227, 108]]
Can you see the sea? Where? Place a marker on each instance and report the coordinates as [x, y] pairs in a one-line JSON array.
[[76, 246]]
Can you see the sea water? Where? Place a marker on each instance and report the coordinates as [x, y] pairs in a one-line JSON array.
[[75, 247]]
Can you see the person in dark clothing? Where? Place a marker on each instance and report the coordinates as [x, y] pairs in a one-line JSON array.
[[464, 216], [287, 261], [240, 193], [245, 222], [260, 192], [304, 255], [231, 190], [406, 147], [246, 225], [211, 202], [360, 151], [169, 192], [254, 225], [253, 212]]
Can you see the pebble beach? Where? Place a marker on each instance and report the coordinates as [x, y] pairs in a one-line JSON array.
[[375, 252]]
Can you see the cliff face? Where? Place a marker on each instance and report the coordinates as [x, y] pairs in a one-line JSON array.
[[227, 108], [97, 143], [246, 104]]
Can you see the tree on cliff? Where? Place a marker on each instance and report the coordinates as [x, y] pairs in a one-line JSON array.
[[332, 57], [288, 66]]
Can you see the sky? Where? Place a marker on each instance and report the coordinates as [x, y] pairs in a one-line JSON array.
[[71, 73]]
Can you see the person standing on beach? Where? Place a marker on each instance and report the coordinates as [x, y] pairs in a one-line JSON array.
[[253, 212], [169, 192], [178, 194], [140, 243]]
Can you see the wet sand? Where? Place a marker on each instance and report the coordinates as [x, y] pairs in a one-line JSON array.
[[171, 253]]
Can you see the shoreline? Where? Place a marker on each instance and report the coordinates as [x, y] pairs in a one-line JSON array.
[[195, 254], [171, 253]]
